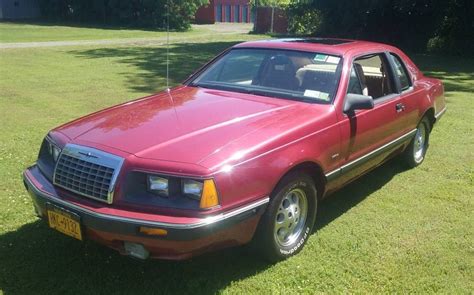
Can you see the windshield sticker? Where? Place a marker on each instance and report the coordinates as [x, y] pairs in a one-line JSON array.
[[333, 59], [324, 96], [320, 57], [316, 94], [312, 93]]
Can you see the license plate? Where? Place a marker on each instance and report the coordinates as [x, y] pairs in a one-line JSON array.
[[65, 222]]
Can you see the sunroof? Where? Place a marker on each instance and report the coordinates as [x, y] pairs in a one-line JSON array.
[[325, 41]]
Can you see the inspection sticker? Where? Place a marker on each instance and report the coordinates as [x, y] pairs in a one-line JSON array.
[[324, 96], [312, 93], [316, 94], [333, 59], [320, 57]]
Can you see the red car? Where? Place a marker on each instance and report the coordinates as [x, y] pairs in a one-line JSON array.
[[242, 151]]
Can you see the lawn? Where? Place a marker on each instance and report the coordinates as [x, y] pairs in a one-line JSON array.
[[393, 230], [43, 31]]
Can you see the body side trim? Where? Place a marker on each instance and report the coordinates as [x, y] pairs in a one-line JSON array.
[[440, 113], [334, 173]]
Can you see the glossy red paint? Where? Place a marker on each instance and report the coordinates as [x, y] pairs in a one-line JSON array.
[[247, 143]]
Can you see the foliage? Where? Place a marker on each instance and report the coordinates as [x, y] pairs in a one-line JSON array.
[[409, 24], [456, 30], [304, 21], [274, 3], [143, 13]]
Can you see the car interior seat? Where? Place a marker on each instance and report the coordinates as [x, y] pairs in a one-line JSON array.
[[363, 82], [279, 72], [318, 80]]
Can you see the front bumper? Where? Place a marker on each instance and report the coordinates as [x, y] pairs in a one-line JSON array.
[[184, 239]]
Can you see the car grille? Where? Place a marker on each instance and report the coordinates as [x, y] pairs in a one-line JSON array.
[[87, 172]]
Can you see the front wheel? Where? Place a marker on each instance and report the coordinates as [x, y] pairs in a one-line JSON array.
[[288, 221], [415, 153]]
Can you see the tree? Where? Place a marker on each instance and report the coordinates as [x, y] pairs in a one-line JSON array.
[[271, 3], [444, 25]]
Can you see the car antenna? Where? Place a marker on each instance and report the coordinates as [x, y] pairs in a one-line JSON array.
[[168, 46], [168, 90]]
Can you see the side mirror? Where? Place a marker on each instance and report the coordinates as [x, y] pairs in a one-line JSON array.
[[357, 102]]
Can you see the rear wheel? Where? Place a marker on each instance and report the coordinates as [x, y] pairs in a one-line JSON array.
[[289, 218], [415, 153]]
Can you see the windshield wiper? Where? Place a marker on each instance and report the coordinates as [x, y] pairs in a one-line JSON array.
[[220, 86], [255, 90]]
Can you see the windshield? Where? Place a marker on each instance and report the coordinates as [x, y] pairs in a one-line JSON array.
[[304, 76]]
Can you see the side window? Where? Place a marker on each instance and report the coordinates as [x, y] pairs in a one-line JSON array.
[[374, 75], [401, 72]]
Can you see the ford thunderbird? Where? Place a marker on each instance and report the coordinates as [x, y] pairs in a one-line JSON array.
[[243, 151]]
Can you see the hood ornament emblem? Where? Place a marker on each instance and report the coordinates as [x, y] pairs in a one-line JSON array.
[[89, 155]]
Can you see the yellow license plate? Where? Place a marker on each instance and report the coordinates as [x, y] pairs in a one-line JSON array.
[[64, 222]]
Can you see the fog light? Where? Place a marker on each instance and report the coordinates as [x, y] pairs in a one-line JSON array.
[[136, 250]]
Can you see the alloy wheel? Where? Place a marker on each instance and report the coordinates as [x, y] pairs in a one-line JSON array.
[[291, 217]]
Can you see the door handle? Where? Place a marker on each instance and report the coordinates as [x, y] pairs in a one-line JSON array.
[[400, 107]]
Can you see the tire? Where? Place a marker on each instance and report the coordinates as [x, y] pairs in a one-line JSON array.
[[415, 152], [289, 218]]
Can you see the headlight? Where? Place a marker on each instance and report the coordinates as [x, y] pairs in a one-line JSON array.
[[158, 185], [53, 150], [56, 153], [192, 188], [203, 191], [176, 188]]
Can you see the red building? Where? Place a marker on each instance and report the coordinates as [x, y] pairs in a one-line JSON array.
[[229, 11]]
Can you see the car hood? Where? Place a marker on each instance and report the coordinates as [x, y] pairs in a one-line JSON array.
[[193, 125]]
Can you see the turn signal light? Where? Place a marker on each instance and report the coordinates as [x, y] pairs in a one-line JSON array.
[[209, 197], [153, 231]]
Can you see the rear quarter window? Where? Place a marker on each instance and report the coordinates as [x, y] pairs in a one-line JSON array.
[[401, 72]]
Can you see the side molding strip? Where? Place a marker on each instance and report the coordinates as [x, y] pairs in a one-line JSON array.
[[335, 173]]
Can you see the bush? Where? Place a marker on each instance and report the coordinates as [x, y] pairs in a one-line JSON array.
[[436, 45], [305, 22]]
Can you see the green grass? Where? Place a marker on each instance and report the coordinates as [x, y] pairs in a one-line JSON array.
[[391, 231], [37, 32]]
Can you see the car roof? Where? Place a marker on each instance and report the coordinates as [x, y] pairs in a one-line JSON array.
[[333, 46]]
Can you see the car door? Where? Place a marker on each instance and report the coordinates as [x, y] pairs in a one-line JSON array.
[[408, 93], [369, 136]]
